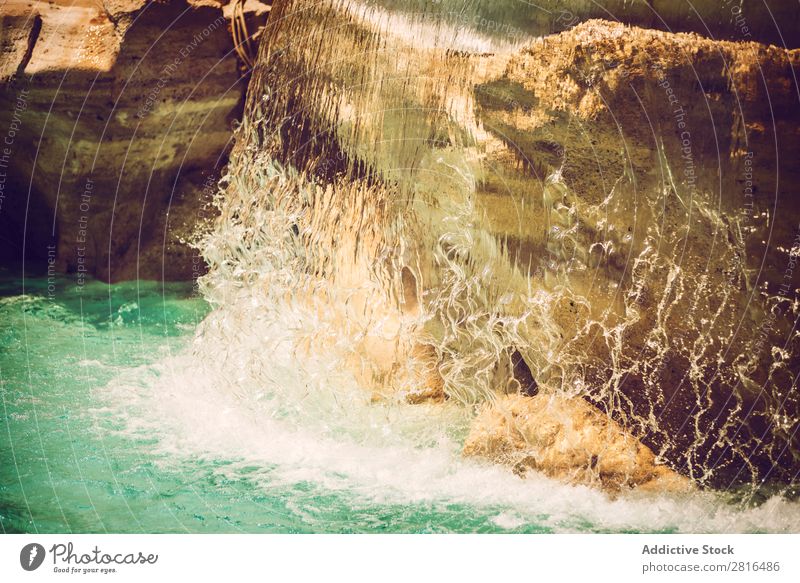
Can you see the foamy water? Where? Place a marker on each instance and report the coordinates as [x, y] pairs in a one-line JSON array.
[[139, 426], [304, 421]]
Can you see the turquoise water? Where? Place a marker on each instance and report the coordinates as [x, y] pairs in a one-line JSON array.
[[117, 417]]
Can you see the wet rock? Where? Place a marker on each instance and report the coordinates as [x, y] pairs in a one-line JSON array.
[[656, 160], [550, 205], [767, 21], [567, 439]]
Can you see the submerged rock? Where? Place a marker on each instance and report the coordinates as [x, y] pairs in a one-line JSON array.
[[569, 440]]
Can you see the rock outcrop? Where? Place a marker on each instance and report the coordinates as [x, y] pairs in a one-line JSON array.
[[129, 103], [767, 21], [669, 210], [117, 119], [569, 440]]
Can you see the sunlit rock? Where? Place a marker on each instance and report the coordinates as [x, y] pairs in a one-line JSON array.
[[567, 439], [653, 232], [124, 127]]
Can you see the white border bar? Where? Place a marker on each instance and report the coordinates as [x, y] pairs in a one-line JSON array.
[[409, 558]]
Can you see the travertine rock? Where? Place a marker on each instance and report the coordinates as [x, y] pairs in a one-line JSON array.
[[602, 201], [660, 160], [567, 439], [767, 21], [126, 106]]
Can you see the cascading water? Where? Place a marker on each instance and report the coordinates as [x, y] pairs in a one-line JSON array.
[[361, 191]]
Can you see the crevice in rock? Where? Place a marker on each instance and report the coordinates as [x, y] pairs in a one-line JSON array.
[[33, 36], [523, 375]]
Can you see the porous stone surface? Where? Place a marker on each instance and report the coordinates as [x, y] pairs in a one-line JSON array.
[[567, 439], [661, 158], [601, 201], [767, 21], [118, 110]]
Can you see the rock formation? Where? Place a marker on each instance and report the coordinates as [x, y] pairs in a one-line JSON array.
[[662, 158], [774, 22], [114, 104], [121, 115], [597, 229], [569, 440]]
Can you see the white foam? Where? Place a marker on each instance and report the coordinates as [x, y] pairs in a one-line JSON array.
[[304, 421]]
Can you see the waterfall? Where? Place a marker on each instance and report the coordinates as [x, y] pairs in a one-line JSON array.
[[382, 213]]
